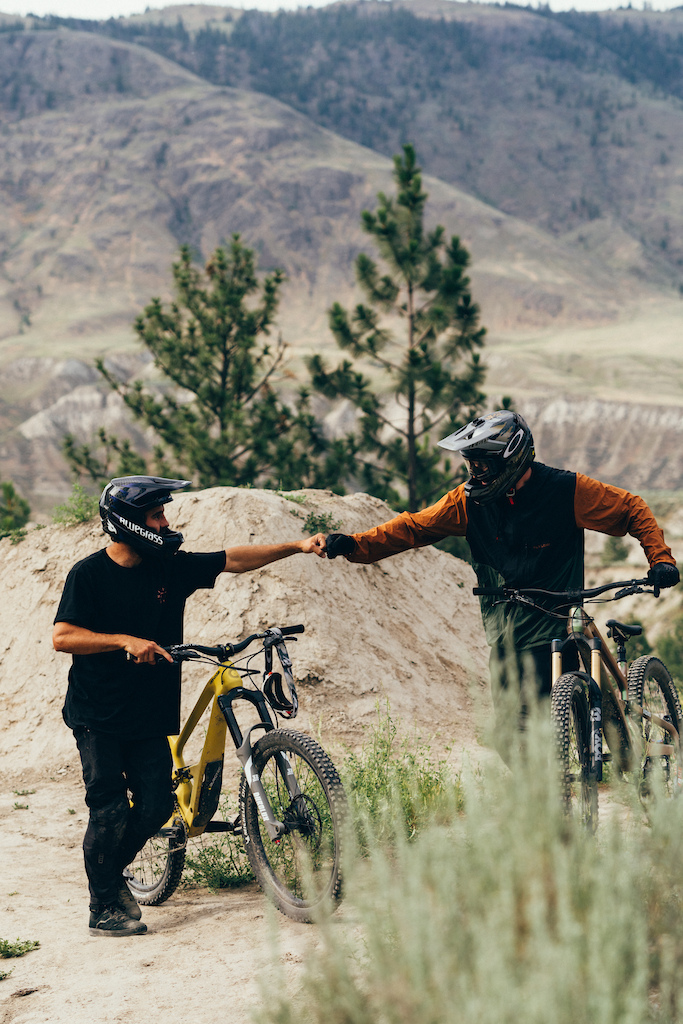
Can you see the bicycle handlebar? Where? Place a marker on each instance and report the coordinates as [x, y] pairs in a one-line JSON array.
[[188, 652], [568, 596]]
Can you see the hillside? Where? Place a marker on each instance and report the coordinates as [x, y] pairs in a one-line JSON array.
[[113, 156], [571, 121]]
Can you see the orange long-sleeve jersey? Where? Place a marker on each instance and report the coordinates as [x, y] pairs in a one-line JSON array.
[[534, 540]]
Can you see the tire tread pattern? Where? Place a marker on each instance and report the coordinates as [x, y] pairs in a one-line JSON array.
[[290, 740], [568, 691]]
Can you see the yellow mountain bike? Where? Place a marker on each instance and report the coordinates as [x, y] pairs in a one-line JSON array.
[[292, 804]]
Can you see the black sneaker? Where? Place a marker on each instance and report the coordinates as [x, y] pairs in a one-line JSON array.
[[127, 902], [113, 921]]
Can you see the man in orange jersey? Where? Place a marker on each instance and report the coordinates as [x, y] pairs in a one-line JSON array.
[[524, 524]]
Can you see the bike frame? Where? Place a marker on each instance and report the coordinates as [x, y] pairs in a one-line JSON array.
[[604, 673], [198, 786]]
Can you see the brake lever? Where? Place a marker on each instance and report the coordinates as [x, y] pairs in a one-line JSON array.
[[630, 591]]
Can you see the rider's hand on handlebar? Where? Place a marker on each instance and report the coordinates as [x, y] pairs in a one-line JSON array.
[[144, 652], [663, 575]]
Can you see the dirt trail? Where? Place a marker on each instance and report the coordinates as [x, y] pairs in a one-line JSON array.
[[204, 954]]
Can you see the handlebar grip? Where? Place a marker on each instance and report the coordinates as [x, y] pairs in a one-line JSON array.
[[488, 592], [289, 630]]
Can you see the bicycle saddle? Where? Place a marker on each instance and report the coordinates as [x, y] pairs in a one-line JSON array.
[[621, 630]]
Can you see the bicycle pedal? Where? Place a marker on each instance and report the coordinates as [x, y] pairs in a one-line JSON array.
[[224, 826]]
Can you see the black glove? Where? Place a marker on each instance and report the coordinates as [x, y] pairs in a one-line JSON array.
[[339, 544], [663, 575]]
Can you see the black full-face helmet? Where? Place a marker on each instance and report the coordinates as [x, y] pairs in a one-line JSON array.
[[124, 505], [498, 448]]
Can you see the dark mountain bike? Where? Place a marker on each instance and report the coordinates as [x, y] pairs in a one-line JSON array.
[[635, 707], [292, 804]]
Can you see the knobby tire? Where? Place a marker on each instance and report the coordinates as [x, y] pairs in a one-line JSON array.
[[650, 686], [571, 716], [300, 873]]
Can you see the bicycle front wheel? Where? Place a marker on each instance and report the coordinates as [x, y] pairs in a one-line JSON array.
[[155, 873], [571, 715], [651, 687], [301, 871]]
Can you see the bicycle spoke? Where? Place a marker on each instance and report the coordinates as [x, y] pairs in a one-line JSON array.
[[302, 859]]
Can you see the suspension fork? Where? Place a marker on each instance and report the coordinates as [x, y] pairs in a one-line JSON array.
[[595, 705], [243, 748], [594, 645]]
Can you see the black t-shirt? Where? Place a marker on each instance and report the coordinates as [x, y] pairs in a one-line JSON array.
[[106, 692]]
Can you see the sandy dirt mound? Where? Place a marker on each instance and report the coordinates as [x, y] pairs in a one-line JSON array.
[[406, 629]]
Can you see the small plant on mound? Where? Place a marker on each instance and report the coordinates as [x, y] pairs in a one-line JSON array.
[[322, 522], [395, 784], [79, 508]]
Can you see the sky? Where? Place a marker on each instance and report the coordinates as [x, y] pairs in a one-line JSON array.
[[117, 8]]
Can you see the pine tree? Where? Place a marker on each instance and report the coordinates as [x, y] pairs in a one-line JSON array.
[[14, 510], [431, 369], [216, 413]]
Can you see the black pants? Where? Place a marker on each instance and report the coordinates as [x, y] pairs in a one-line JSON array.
[[113, 768]]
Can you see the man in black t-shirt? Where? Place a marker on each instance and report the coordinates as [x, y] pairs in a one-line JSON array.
[[119, 608]]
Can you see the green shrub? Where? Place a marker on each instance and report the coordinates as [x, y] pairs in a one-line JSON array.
[[79, 508], [323, 522], [670, 650], [505, 912], [218, 860], [614, 550], [14, 512], [18, 948], [394, 784]]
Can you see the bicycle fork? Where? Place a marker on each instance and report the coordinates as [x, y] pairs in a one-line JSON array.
[[243, 748], [594, 694]]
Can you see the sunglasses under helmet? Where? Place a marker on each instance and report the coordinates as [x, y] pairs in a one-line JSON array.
[[498, 448], [124, 505]]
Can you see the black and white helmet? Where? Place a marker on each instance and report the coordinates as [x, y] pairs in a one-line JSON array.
[[498, 449], [124, 505]]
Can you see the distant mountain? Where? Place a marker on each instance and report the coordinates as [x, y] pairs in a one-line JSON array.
[[570, 121], [112, 155]]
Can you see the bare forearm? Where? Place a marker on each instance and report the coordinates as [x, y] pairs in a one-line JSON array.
[[254, 556], [76, 640], [70, 639]]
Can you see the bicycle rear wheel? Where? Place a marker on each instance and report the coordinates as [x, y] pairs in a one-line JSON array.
[[571, 715], [301, 871], [155, 873], [650, 686]]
